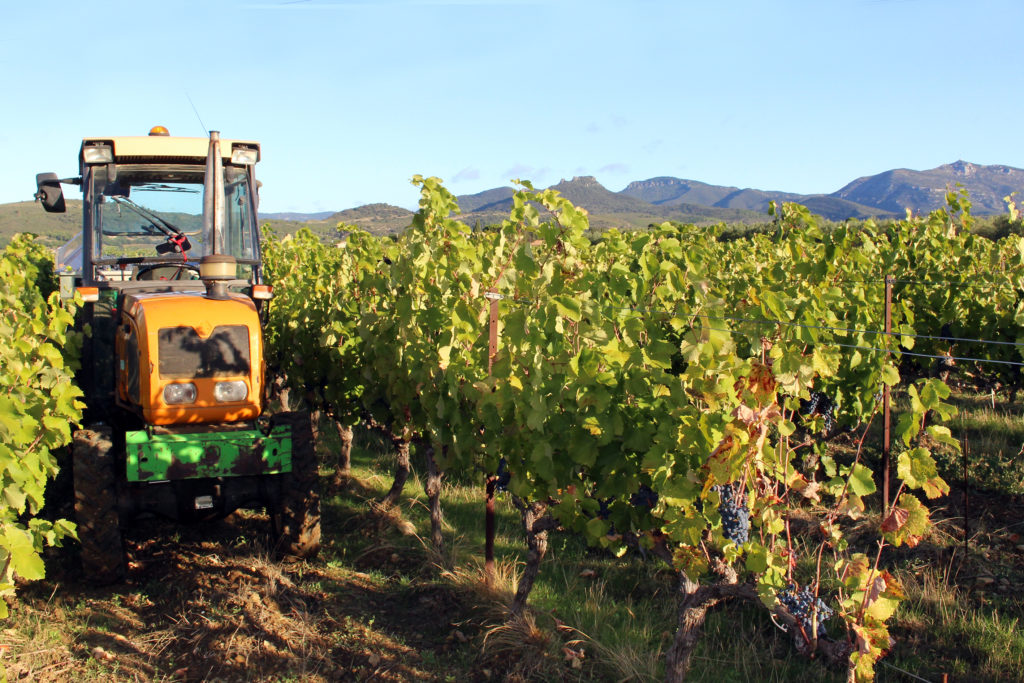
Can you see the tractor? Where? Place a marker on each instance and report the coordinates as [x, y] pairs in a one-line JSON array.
[[168, 269]]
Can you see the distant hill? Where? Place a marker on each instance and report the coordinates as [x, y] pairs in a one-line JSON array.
[[585, 191], [922, 191], [665, 191], [668, 192], [606, 209], [379, 219], [296, 217], [54, 229], [488, 200], [888, 193]]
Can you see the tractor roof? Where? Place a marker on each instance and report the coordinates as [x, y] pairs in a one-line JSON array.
[[141, 148]]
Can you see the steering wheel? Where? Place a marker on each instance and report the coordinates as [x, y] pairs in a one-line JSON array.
[[168, 271]]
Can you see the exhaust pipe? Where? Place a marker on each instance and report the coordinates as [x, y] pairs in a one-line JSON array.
[[216, 269], [213, 197]]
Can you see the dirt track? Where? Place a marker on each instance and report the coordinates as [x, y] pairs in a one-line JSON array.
[[206, 603]]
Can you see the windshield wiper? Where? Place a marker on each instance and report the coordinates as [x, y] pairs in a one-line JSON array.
[[176, 239]]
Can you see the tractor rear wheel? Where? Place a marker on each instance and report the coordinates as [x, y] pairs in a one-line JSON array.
[[296, 516], [99, 531]]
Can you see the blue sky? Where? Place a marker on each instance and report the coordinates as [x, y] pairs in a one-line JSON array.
[[351, 98]]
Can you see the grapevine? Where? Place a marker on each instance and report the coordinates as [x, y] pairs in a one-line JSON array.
[[39, 406], [646, 387]]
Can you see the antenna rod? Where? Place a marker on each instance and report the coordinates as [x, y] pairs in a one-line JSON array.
[[196, 111]]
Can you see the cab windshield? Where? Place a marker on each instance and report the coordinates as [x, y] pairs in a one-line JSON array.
[[155, 212]]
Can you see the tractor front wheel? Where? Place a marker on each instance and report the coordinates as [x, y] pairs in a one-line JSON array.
[[99, 531], [296, 516]]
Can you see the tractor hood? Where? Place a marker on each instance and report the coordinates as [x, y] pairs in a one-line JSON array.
[[190, 359]]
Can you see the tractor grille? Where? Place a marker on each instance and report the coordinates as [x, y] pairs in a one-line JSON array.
[[185, 355]]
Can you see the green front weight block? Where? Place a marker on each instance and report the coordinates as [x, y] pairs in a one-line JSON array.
[[160, 457]]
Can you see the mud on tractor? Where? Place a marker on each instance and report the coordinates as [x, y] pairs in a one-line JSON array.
[[168, 265]]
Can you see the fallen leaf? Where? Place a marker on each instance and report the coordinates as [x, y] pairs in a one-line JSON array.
[[102, 655], [811, 491], [574, 657]]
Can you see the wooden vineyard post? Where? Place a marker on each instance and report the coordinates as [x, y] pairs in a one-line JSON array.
[[886, 431], [492, 480], [965, 448]]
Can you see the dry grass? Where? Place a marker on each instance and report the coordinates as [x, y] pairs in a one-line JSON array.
[[522, 650], [495, 592]]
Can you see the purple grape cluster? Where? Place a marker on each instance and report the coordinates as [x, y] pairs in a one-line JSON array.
[[820, 404], [645, 497], [503, 476], [802, 605], [734, 513]]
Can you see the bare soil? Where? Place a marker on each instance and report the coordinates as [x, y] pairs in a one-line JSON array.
[[206, 602]]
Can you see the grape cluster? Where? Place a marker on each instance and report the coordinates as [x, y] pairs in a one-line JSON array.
[[644, 498], [802, 605], [503, 476], [734, 512], [820, 404]]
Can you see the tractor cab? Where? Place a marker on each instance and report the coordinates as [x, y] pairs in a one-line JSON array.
[[168, 265]]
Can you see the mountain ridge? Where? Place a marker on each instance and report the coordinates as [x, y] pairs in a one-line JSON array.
[[885, 194]]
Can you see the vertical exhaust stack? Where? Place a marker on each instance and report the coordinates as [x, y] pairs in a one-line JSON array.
[[215, 267], [213, 197]]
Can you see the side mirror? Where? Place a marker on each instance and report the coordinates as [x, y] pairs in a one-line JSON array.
[[49, 192]]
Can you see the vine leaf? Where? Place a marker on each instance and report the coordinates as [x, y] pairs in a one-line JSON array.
[[917, 468], [895, 520]]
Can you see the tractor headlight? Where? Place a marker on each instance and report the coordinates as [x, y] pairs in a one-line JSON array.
[[97, 154], [243, 156], [230, 392], [183, 392]]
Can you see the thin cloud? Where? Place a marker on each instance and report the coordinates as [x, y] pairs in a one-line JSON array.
[[467, 174], [518, 171], [615, 168], [653, 145]]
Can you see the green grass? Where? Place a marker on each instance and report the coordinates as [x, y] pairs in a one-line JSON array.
[[994, 433]]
